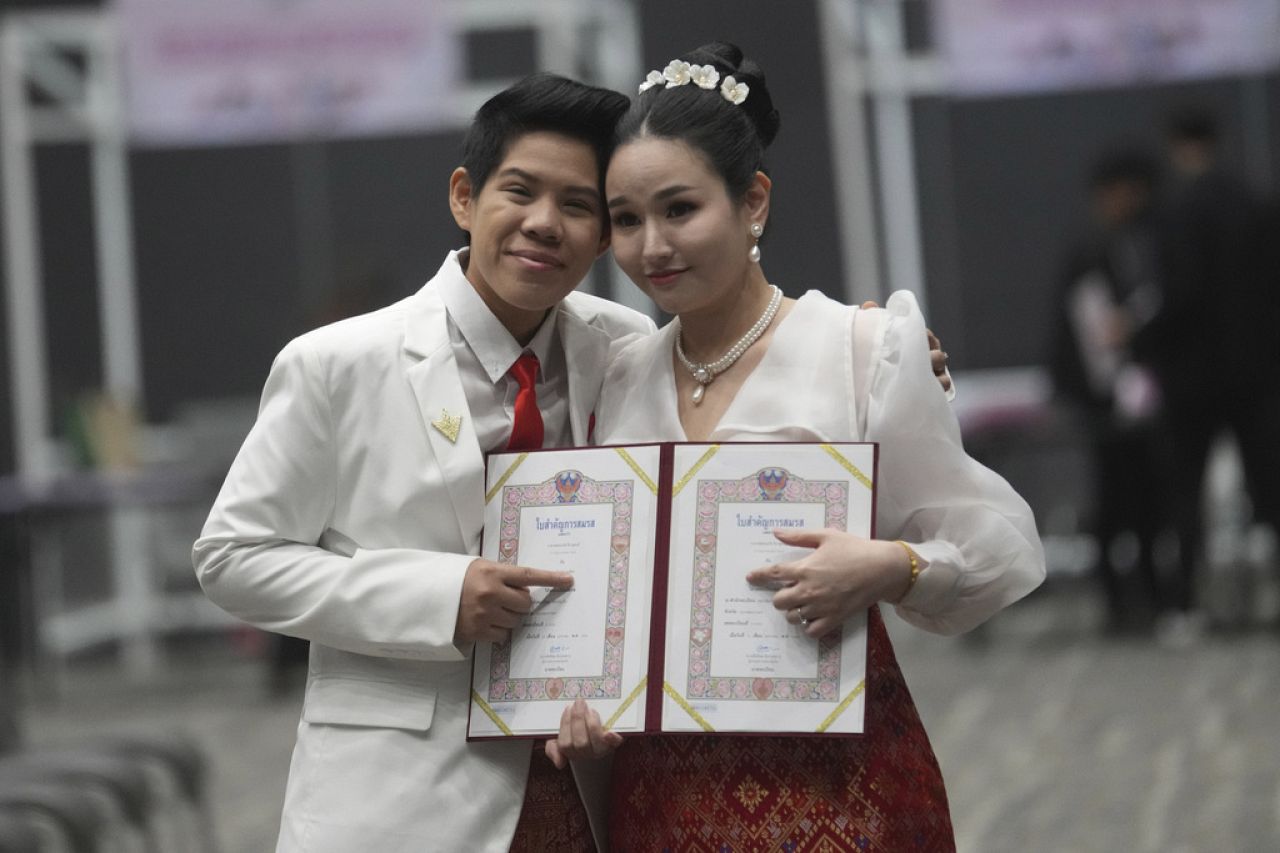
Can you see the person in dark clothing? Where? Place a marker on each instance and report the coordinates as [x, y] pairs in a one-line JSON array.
[[1108, 290], [1213, 344]]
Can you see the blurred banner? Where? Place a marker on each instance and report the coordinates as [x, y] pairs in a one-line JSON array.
[[201, 72], [998, 46]]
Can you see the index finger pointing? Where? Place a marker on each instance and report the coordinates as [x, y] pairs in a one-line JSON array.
[[804, 537], [773, 577], [526, 577]]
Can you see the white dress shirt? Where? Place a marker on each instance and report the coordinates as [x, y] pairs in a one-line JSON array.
[[485, 351]]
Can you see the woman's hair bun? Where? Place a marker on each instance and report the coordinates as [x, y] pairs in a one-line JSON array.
[[729, 59]]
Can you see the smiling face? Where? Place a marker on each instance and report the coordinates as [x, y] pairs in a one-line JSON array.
[[676, 232], [536, 227]]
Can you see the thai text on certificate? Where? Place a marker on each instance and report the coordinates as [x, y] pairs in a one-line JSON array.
[[752, 637], [565, 632], [587, 512], [739, 646]]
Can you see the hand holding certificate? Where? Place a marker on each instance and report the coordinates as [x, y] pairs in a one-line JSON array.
[[582, 736], [662, 630], [834, 580]]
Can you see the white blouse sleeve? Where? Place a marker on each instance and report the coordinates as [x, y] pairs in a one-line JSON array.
[[975, 536]]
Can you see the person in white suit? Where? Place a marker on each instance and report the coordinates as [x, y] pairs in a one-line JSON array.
[[352, 514]]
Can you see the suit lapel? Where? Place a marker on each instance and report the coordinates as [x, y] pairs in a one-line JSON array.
[[433, 376], [586, 351]]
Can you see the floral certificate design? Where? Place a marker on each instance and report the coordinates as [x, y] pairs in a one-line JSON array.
[[733, 663], [567, 487], [589, 512], [767, 486]]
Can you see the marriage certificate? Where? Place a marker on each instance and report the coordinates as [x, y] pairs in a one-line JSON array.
[[661, 631]]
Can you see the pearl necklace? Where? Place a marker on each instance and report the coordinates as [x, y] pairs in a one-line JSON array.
[[703, 373]]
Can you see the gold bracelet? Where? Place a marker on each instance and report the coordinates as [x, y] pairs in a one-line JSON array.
[[915, 564]]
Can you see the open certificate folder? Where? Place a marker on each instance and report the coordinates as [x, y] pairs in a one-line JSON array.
[[661, 631]]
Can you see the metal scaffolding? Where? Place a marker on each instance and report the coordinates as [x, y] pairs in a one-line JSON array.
[[60, 82], [872, 78]]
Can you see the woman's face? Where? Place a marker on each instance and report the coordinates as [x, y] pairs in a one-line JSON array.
[[676, 232]]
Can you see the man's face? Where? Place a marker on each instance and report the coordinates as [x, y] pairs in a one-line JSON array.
[[536, 227]]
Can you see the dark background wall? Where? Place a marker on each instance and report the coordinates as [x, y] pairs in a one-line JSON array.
[[1002, 188], [240, 248]]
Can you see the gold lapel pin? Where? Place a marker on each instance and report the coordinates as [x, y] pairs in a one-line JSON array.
[[448, 425]]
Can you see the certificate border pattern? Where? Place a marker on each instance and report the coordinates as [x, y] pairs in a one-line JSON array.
[[569, 487], [769, 485]]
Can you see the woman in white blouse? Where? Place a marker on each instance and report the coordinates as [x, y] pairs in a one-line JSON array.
[[688, 197]]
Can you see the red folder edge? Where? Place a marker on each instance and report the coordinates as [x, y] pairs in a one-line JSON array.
[[661, 567]]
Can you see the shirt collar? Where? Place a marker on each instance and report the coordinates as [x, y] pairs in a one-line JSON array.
[[488, 339]]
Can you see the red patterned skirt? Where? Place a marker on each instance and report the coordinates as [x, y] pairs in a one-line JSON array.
[[553, 816], [880, 791]]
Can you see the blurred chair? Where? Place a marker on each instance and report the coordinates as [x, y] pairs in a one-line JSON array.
[[25, 832], [182, 770], [125, 782], [83, 820], [118, 793], [145, 794]]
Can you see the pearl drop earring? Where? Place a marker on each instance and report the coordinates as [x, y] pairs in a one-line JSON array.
[[753, 254]]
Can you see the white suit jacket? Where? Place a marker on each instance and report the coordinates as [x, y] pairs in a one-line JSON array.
[[349, 520]]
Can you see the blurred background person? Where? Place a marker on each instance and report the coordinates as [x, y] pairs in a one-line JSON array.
[[1109, 290], [1213, 345]]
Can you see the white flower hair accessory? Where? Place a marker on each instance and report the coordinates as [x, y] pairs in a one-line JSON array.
[[680, 73], [655, 78], [705, 76], [676, 73], [733, 91]]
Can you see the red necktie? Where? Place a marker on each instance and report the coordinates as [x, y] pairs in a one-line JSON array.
[[526, 432]]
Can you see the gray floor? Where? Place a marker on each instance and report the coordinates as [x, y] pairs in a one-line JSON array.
[[1050, 737]]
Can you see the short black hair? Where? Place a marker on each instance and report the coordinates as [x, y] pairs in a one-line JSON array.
[[541, 102], [1128, 164], [733, 137], [1193, 124]]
